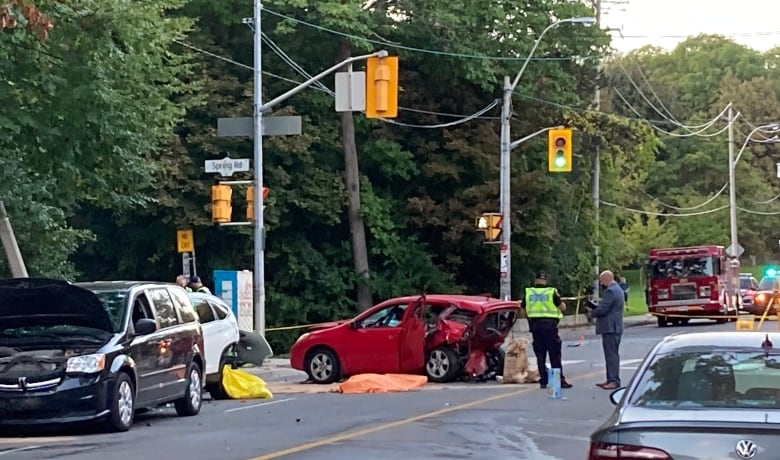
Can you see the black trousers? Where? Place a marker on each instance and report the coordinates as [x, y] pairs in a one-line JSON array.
[[546, 342]]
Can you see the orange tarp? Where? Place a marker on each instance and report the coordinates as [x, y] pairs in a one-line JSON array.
[[381, 383]]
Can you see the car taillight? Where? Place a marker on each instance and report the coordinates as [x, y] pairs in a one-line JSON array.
[[604, 451], [663, 294], [761, 298]]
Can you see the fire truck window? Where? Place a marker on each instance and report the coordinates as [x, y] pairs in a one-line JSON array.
[[688, 267]]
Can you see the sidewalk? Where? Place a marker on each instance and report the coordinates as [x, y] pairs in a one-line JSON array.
[[571, 321]]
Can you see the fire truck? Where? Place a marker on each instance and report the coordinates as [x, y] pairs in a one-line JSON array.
[[690, 282]]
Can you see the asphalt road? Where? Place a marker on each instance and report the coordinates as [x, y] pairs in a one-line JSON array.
[[463, 421]]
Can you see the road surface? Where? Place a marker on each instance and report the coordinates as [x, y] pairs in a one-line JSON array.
[[462, 421]]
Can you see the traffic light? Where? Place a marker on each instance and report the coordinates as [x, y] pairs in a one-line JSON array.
[[220, 203], [382, 87], [250, 201], [490, 224], [559, 150]]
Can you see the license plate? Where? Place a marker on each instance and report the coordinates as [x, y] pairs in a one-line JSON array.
[[677, 309]]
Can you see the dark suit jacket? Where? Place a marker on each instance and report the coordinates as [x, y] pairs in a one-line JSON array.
[[609, 313]]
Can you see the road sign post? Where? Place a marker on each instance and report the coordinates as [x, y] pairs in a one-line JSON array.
[[185, 245]]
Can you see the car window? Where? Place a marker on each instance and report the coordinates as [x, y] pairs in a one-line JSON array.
[[141, 308], [182, 302], [745, 283], [163, 307], [389, 316], [767, 283], [722, 379], [219, 310], [203, 308]]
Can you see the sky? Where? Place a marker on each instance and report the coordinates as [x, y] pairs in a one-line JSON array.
[[665, 23]]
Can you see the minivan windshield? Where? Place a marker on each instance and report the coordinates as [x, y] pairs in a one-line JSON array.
[[114, 303], [712, 378]]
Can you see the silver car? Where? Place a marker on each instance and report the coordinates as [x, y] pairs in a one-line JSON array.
[[698, 395]]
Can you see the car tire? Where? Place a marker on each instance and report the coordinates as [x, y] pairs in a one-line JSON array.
[[497, 358], [122, 409], [216, 389], [190, 404], [442, 365], [323, 366]]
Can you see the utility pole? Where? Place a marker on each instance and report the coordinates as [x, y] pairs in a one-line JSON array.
[[8, 240], [596, 184], [732, 201], [259, 229]]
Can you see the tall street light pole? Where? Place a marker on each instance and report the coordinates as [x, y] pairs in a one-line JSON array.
[[506, 148], [735, 248]]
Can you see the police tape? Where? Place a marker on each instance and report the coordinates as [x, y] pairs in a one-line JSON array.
[[713, 317], [304, 326]]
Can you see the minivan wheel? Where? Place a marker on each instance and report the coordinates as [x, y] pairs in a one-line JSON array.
[[193, 395], [122, 408]]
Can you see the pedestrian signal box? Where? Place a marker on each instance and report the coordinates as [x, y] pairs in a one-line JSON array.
[[250, 201], [221, 210], [489, 224]]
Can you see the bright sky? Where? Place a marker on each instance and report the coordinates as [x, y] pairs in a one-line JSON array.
[[665, 23]]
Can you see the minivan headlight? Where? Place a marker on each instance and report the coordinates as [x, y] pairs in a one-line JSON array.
[[86, 364]]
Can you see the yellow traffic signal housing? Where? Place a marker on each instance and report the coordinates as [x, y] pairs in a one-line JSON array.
[[490, 224], [559, 150], [382, 87], [250, 201], [221, 210]]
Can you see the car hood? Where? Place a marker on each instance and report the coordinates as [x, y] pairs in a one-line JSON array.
[[642, 414], [26, 302]]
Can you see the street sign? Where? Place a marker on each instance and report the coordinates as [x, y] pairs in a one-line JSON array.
[[350, 91], [227, 166], [272, 126], [730, 251], [184, 241]]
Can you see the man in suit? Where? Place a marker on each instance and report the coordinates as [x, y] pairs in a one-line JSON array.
[[609, 325]]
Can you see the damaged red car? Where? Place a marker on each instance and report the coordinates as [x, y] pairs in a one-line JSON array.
[[447, 337]]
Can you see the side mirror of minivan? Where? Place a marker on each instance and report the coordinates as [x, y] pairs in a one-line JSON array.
[[617, 395], [145, 326]]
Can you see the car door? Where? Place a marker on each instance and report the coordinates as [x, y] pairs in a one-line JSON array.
[[371, 345], [211, 334], [174, 344], [145, 350], [411, 344]]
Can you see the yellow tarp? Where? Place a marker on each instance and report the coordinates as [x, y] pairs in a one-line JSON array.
[[242, 385], [381, 383]]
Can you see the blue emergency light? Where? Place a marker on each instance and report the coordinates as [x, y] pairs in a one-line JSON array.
[[770, 272]]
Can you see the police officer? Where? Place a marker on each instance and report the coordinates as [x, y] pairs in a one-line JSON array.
[[544, 309]]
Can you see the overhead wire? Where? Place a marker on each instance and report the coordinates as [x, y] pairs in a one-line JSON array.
[[423, 50]]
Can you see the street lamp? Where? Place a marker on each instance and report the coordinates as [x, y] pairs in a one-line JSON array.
[[506, 148]]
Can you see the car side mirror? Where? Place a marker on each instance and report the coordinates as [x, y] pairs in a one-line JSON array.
[[145, 326], [353, 325], [617, 395]]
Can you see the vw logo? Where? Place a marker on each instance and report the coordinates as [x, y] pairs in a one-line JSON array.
[[746, 449]]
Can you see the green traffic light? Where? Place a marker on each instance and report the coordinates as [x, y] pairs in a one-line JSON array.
[[560, 160]]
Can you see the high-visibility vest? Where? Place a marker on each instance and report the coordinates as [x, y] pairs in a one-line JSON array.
[[539, 303]]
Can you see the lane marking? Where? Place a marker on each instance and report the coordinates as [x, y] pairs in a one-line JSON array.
[[407, 421], [268, 403], [26, 440], [630, 361], [18, 449], [560, 436], [570, 362]]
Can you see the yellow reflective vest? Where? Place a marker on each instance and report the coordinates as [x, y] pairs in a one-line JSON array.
[[539, 303]]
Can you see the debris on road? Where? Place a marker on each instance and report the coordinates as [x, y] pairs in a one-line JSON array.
[[243, 385], [517, 368]]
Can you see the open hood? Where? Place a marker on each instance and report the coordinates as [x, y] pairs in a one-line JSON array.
[[26, 302]]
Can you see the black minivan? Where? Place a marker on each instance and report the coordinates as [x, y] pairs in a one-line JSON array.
[[96, 352]]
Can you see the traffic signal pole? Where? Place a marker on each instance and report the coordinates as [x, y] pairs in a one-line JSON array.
[[258, 109], [505, 262]]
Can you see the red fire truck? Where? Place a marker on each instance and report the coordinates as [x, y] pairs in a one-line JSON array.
[[690, 282]]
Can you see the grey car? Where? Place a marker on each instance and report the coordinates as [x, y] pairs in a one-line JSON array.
[[698, 395]]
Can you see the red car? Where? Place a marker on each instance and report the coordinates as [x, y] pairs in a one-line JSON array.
[[445, 336]]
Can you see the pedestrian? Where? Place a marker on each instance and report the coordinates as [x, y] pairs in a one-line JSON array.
[[609, 325], [544, 309], [624, 286], [197, 286], [181, 281]]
